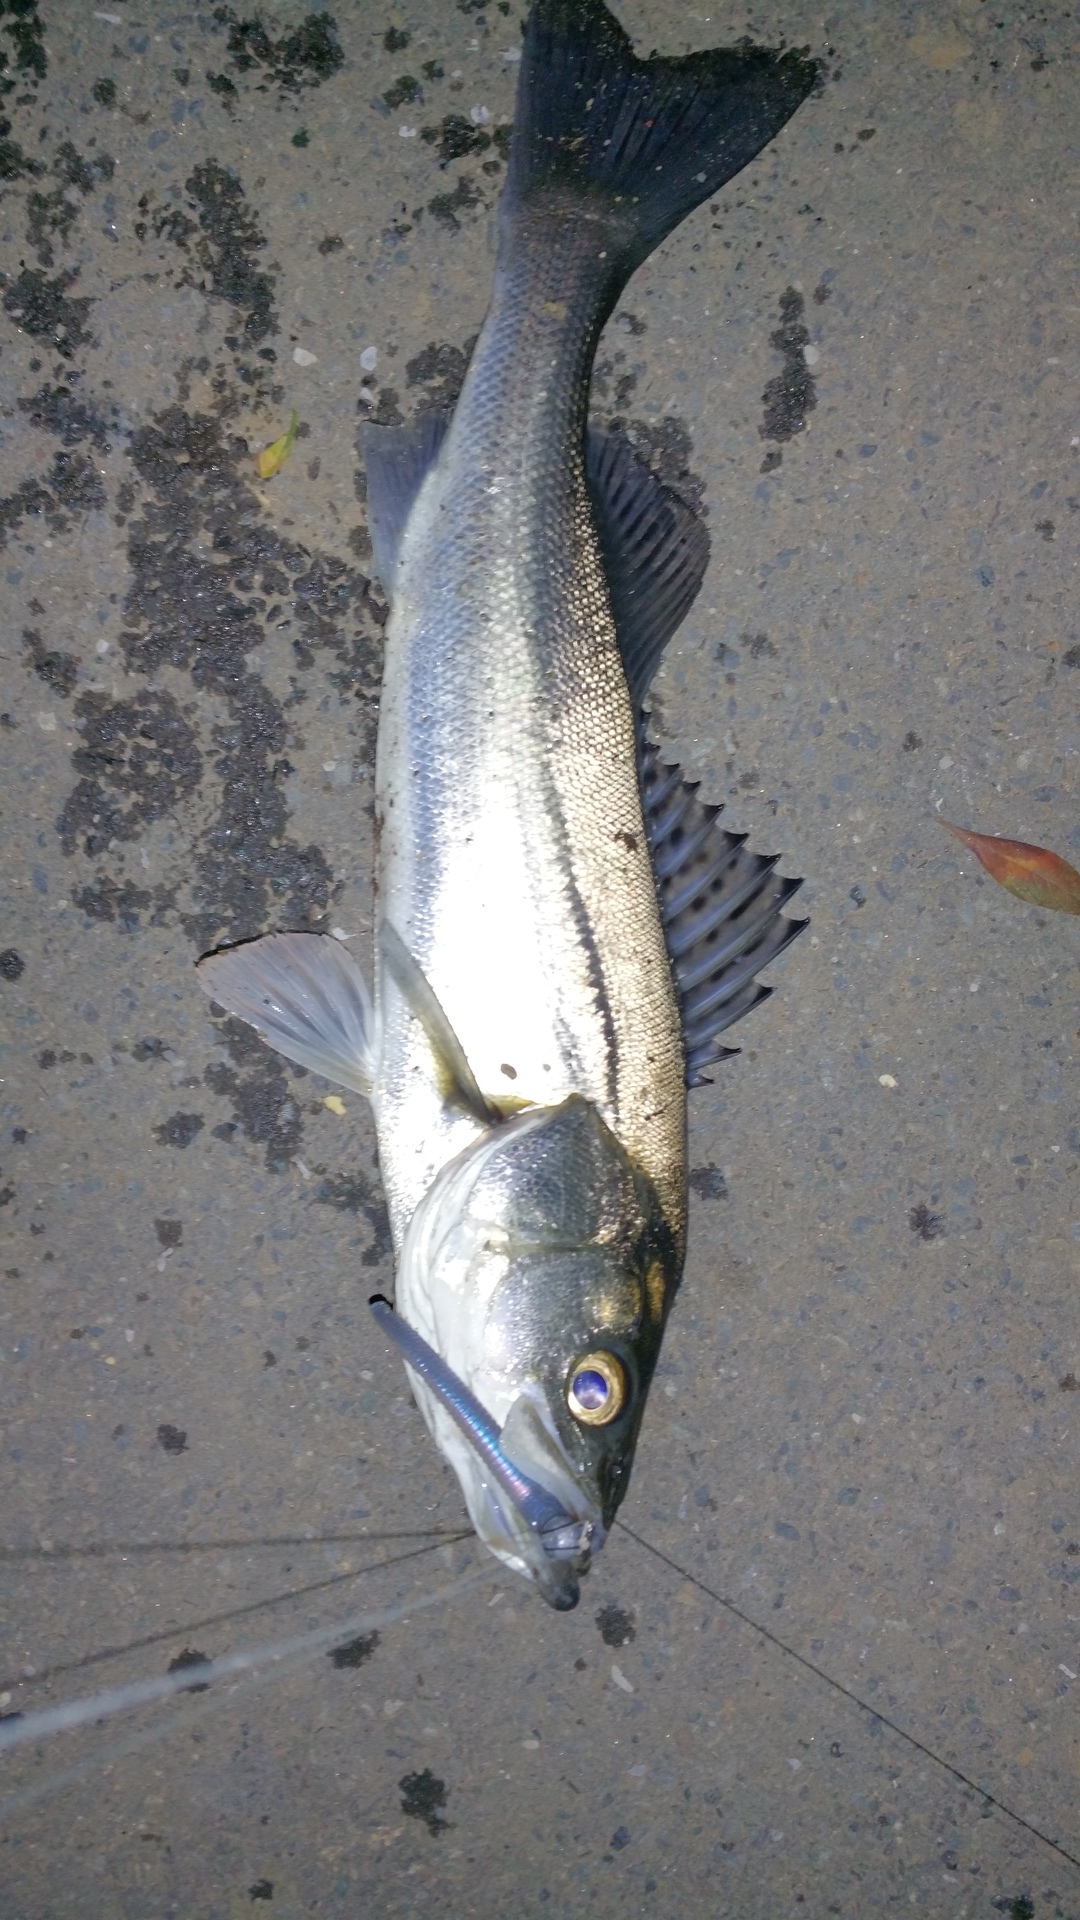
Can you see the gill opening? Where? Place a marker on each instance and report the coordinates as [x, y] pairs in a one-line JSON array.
[[560, 1534]]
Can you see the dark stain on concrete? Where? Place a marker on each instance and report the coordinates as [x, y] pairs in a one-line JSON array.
[[405, 89], [60, 671], [72, 487], [455, 137], [616, 1626], [104, 898], [12, 965], [421, 1797], [228, 239], [256, 1084], [25, 29], [179, 1130], [51, 216], [928, 1226], [667, 447], [445, 207], [304, 57], [60, 410], [791, 394], [708, 1182], [190, 1657], [439, 374], [41, 307], [141, 752], [354, 1193], [354, 1653], [171, 1439], [14, 163]]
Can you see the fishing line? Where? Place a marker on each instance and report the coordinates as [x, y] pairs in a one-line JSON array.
[[875, 1713], [233, 1613], [287, 1657], [109, 1549]]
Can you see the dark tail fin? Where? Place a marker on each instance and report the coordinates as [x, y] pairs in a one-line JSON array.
[[650, 138]]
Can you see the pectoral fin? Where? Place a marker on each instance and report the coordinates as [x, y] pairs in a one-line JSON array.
[[457, 1080], [306, 996]]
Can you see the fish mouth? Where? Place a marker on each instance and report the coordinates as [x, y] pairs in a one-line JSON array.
[[531, 1496]]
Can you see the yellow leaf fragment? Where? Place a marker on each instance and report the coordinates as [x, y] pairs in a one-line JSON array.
[[335, 1103], [1031, 873], [273, 458]]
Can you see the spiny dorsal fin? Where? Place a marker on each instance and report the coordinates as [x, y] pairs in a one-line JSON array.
[[720, 906], [655, 552]]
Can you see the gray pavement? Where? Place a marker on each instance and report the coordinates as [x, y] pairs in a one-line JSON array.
[[829, 1666]]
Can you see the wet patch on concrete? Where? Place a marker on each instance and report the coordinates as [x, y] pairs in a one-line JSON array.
[[445, 207], [141, 751], [189, 1657], [421, 1797], [255, 1082], [60, 671], [928, 1226], [438, 375], [455, 138], [792, 393], [708, 1182], [51, 216], [14, 163], [354, 1653], [221, 237], [354, 1193], [24, 30], [302, 58], [616, 1626], [71, 488], [179, 1130], [42, 308], [62, 411]]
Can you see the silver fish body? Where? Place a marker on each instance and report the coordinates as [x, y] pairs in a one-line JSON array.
[[513, 858], [524, 1055]]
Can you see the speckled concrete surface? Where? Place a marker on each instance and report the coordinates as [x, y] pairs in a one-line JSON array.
[[862, 1435]]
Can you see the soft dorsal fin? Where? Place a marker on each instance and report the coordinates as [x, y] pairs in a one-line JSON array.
[[655, 552], [720, 906], [397, 461]]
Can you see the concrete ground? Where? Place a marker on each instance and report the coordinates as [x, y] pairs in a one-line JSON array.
[[828, 1666]]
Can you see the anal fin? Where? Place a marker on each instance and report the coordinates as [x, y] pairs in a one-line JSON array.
[[721, 909], [397, 461]]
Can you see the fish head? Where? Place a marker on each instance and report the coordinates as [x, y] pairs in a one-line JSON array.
[[539, 1267]]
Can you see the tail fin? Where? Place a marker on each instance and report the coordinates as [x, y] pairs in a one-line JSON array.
[[652, 138]]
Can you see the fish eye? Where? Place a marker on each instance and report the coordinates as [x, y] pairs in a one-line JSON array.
[[596, 1389]]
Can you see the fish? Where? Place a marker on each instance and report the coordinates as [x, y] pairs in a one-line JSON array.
[[563, 929]]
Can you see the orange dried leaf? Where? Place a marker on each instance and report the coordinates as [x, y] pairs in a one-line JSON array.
[[273, 458], [1031, 873]]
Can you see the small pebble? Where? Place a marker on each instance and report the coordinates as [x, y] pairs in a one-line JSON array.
[[303, 358]]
